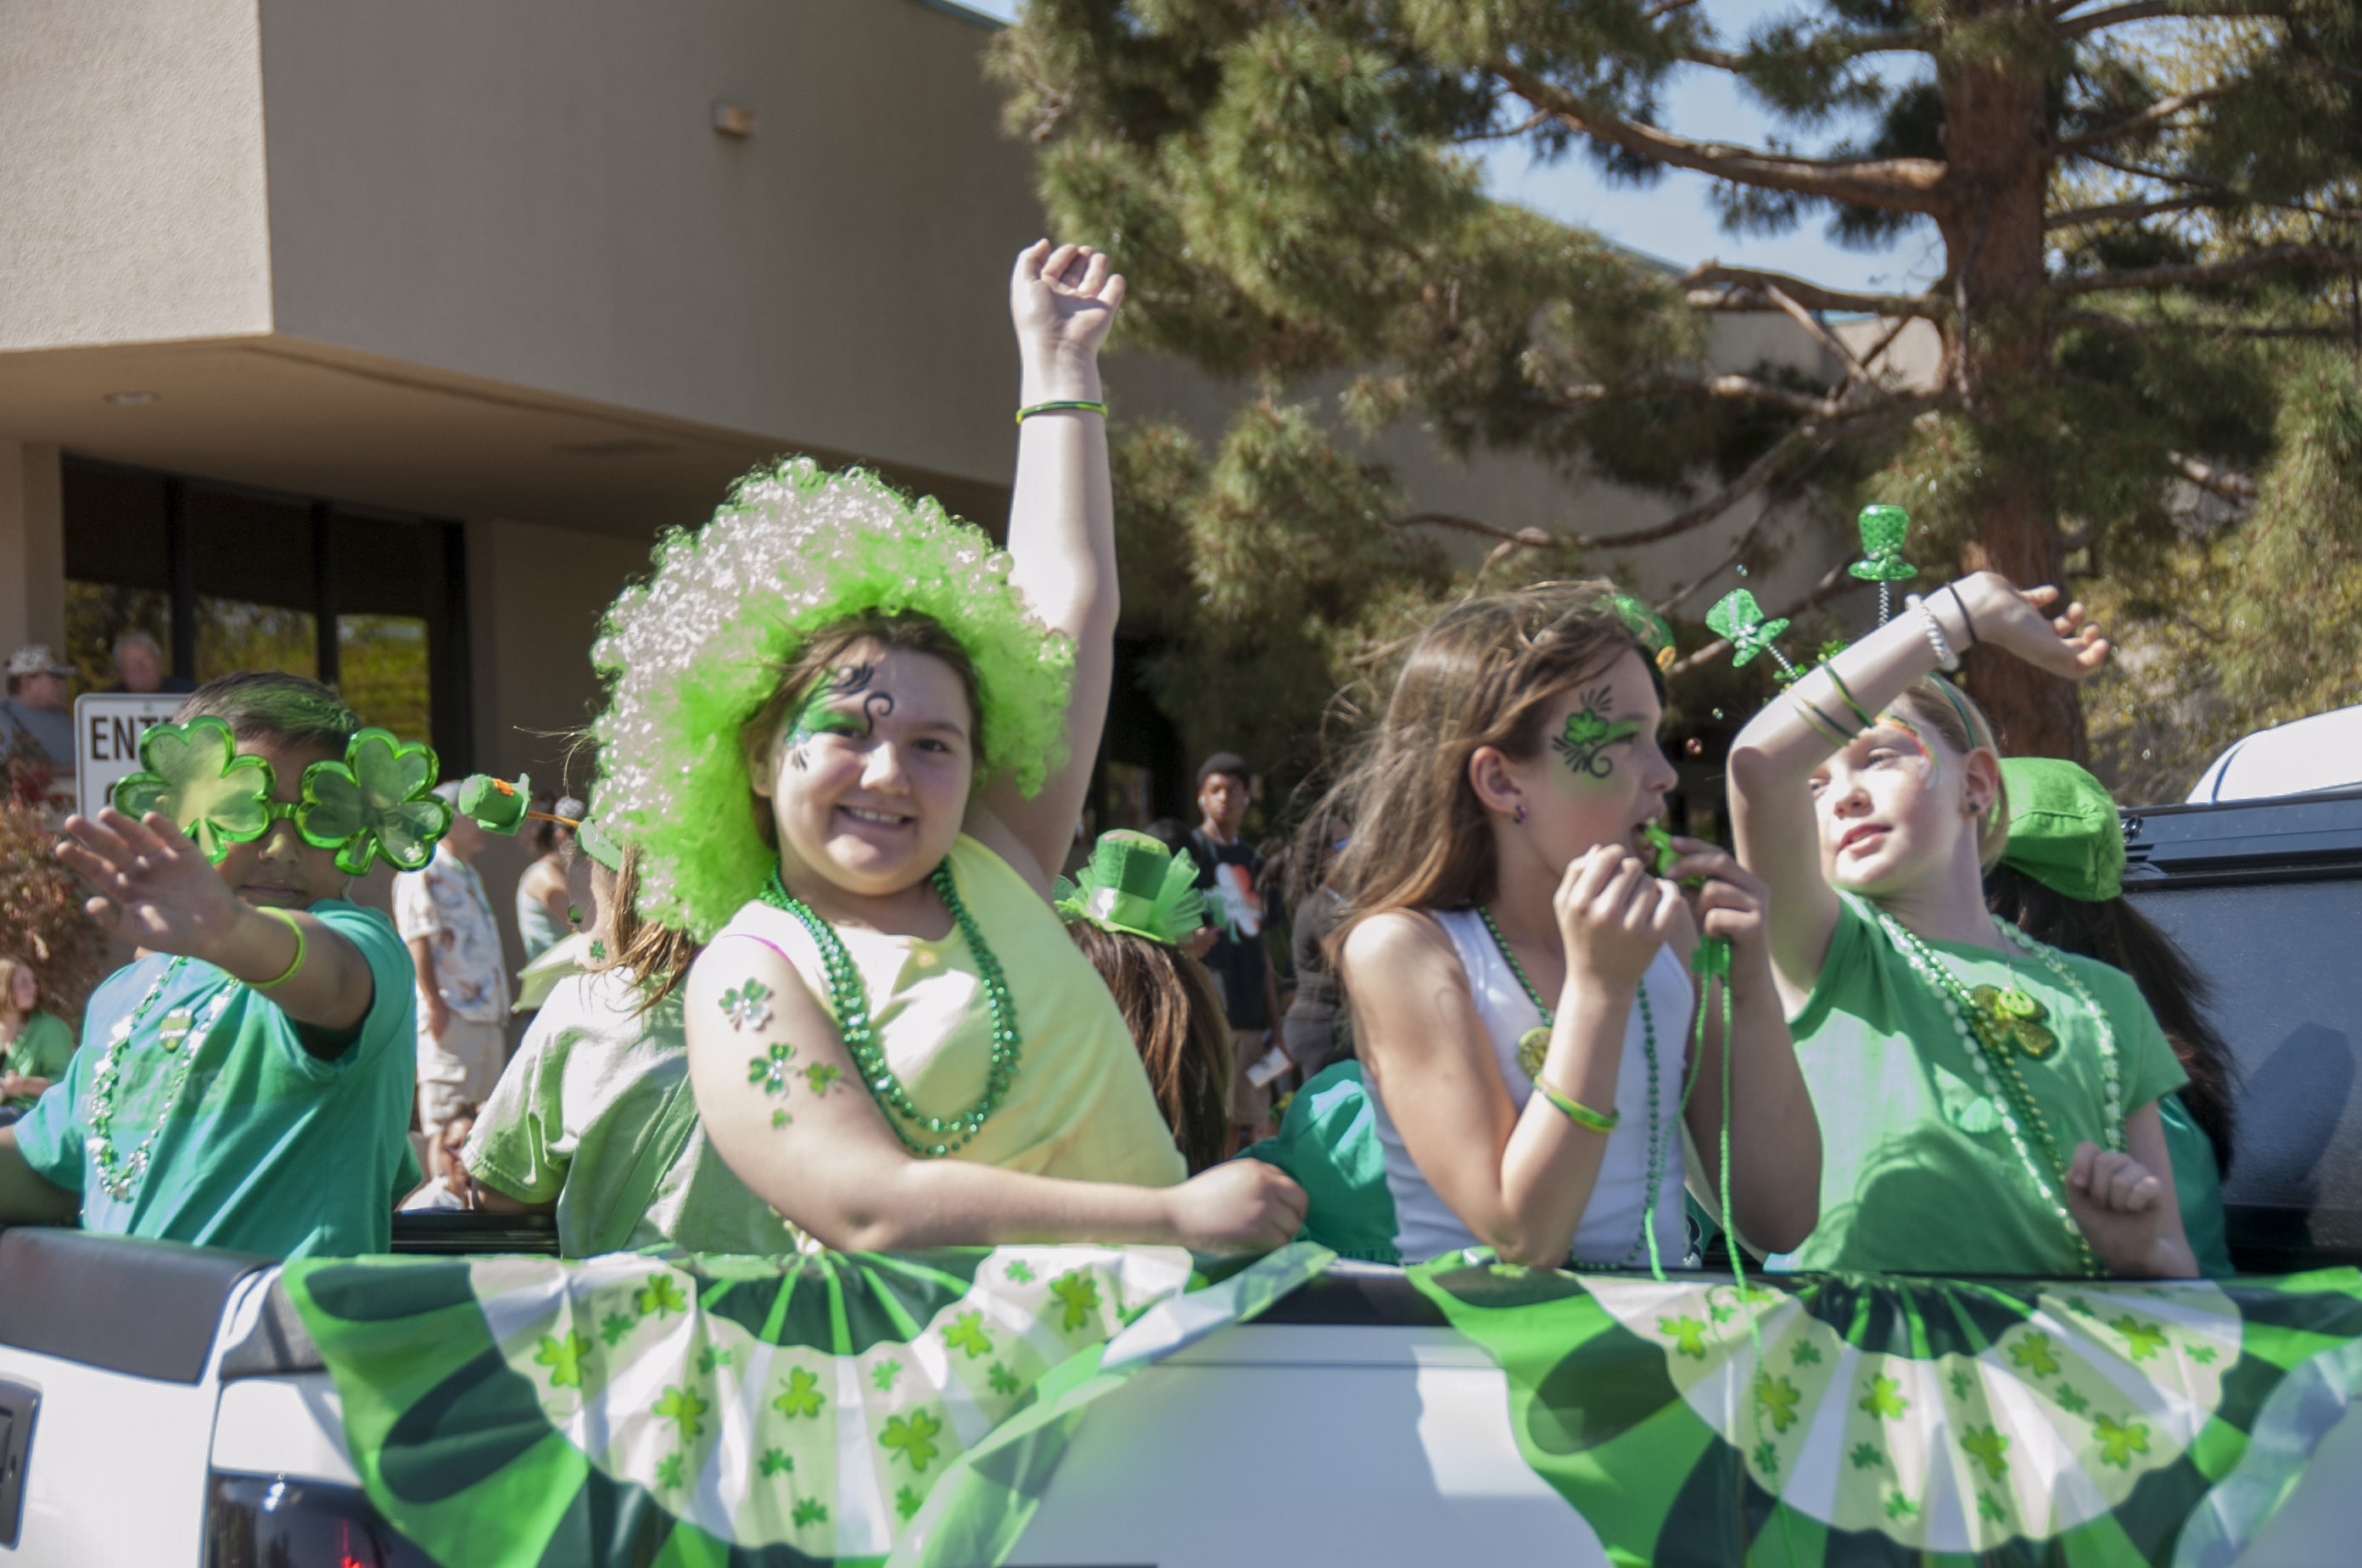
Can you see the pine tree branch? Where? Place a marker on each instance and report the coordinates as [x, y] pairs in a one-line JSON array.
[[1733, 387], [2148, 119], [2236, 488], [2204, 274], [1890, 185], [1854, 369], [1752, 281], [2146, 10], [2122, 212], [2224, 195], [2122, 327]]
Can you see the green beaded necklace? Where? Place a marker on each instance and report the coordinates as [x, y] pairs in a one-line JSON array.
[[121, 1176], [849, 1000], [1534, 1044]]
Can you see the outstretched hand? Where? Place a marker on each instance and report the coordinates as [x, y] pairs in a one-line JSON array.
[[2020, 619], [154, 884], [1063, 300]]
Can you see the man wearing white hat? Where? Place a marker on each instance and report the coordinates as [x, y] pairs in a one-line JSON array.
[[35, 709]]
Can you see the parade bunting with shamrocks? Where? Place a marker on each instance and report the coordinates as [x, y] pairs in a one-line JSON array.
[[841, 1407], [1838, 1419]]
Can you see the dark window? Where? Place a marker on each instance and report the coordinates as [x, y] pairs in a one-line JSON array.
[[227, 578]]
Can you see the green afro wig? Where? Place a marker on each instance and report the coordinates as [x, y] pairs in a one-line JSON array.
[[695, 652]]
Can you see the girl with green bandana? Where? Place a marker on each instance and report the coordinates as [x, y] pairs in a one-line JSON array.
[[2060, 880], [247, 1082], [1987, 1105], [851, 741]]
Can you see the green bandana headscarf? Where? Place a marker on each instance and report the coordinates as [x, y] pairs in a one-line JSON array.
[[2063, 829]]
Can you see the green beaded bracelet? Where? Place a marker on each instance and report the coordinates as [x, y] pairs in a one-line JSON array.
[[1077, 406], [1580, 1114]]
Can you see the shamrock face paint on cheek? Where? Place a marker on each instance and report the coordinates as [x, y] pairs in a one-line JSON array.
[[1589, 732], [822, 715]]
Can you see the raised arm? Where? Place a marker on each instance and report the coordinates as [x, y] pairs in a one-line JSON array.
[[1062, 527], [1772, 762], [781, 1102]]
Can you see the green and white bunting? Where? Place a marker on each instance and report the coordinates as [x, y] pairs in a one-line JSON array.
[[856, 1408], [1838, 1419]]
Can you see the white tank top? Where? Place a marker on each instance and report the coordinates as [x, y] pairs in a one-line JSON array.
[[1610, 1228]]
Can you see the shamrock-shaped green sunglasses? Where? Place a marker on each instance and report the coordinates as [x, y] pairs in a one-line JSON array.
[[378, 801]]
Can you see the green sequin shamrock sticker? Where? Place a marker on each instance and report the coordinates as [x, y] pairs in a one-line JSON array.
[[378, 801], [194, 773]]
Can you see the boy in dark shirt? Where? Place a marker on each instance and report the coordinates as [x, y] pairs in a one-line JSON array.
[[1229, 870]]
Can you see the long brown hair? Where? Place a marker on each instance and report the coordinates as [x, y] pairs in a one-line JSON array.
[[657, 956], [1483, 675], [2116, 934], [1176, 1016]]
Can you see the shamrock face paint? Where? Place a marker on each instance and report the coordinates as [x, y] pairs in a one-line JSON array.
[[823, 712], [1589, 732]]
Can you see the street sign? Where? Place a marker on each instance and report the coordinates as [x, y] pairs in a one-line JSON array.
[[107, 727]]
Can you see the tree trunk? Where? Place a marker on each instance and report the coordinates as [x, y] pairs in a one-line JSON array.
[[1996, 145]]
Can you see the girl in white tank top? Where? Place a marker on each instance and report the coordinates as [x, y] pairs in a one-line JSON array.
[[1543, 1078]]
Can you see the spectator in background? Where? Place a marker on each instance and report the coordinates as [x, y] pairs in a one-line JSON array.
[[546, 913], [36, 709], [1227, 870], [139, 666], [463, 983], [34, 1046]]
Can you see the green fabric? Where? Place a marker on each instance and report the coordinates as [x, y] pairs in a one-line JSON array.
[[575, 1112], [2196, 1188], [1845, 1419], [2063, 828], [832, 1408], [1329, 1142], [1917, 1172], [43, 1046], [271, 1149]]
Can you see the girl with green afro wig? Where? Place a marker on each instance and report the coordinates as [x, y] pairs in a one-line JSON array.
[[851, 741]]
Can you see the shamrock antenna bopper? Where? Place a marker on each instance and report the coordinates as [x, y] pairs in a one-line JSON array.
[[1883, 529], [1737, 617]]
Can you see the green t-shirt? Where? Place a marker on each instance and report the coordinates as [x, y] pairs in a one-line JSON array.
[[578, 1109], [42, 1048], [1917, 1174], [2198, 1187], [268, 1148]]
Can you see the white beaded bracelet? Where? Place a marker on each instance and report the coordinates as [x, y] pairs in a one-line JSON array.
[[1946, 659]]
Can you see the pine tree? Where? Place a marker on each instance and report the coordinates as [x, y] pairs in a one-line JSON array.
[[2137, 203]]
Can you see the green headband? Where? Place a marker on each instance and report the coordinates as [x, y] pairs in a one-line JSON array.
[[378, 801], [1134, 883], [2063, 829]]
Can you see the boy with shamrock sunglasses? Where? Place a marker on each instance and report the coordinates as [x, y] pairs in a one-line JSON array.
[[246, 1082]]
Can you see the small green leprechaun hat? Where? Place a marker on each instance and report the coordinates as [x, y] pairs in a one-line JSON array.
[[1136, 884]]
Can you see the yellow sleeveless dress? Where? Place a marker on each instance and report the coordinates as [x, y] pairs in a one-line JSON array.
[[1079, 1107]]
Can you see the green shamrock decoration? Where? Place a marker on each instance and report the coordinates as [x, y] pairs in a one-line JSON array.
[[668, 1473], [2034, 1353], [663, 1294], [1766, 1457], [614, 1325], [800, 1395], [1737, 617], [2070, 1401], [1020, 1271], [1687, 1333], [883, 1375], [1884, 1398], [194, 773], [1004, 1382], [685, 1407], [914, 1436], [966, 1333], [1989, 1508], [2142, 1341], [2118, 1443], [564, 1358], [1899, 1507], [379, 801], [906, 1502], [1778, 1397], [1865, 1456], [1986, 1445], [777, 1461], [1883, 529], [1080, 1293], [810, 1511], [1807, 1353]]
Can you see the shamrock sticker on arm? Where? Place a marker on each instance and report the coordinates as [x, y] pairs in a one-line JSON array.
[[378, 801], [194, 775]]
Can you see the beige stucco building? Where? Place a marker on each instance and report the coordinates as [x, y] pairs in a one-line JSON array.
[[399, 330]]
